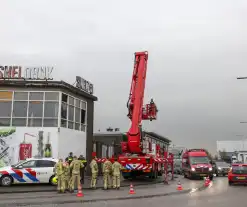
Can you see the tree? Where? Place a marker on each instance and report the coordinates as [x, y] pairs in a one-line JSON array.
[[209, 154], [216, 157], [223, 154]]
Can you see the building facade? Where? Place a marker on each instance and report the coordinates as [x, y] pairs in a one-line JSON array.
[[228, 147], [49, 118]]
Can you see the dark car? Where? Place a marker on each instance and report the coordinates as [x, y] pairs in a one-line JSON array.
[[221, 168]]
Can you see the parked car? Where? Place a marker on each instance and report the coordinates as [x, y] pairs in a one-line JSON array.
[[32, 170], [237, 174], [221, 168]]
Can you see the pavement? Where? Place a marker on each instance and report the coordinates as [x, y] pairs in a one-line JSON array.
[[218, 194], [25, 188], [98, 196]]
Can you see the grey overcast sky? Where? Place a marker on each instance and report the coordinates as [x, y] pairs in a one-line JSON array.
[[196, 48]]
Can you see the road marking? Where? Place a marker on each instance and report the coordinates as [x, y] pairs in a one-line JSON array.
[[193, 190]]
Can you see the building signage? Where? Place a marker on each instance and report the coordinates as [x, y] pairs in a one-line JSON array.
[[31, 73], [84, 85]]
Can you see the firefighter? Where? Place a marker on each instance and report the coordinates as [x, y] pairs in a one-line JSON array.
[[94, 170], [69, 158], [107, 170], [116, 171], [84, 162], [59, 170], [67, 176], [75, 167]]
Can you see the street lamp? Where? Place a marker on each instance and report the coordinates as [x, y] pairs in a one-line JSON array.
[[239, 78]]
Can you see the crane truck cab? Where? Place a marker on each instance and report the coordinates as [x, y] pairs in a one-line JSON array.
[[196, 164]]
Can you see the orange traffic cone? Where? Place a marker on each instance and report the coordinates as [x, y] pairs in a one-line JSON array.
[[207, 182], [179, 186], [79, 193], [132, 191]]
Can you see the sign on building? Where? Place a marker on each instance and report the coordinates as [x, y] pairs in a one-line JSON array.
[[30, 73], [84, 85]]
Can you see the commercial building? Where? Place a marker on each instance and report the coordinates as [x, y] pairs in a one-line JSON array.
[[230, 146], [44, 118]]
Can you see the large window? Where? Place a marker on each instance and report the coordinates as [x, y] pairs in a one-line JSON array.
[[42, 109], [73, 113], [34, 109]]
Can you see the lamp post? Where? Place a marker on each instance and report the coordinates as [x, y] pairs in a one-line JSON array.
[[239, 78]]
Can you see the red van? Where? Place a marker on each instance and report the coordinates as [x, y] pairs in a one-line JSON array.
[[196, 164], [237, 174]]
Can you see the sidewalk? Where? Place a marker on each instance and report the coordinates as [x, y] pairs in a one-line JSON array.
[[94, 196], [24, 188]]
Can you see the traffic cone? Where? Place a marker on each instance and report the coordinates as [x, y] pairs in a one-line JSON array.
[[179, 186], [132, 191], [79, 193], [207, 182]]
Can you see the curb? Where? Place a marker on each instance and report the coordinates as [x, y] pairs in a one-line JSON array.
[[102, 199], [54, 189]]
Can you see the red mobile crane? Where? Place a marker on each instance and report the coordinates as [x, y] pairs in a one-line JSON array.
[[137, 112], [135, 158]]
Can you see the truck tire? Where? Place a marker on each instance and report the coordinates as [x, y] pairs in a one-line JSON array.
[[154, 175], [211, 177]]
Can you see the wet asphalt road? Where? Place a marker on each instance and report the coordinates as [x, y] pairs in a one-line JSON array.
[[46, 187], [217, 195]]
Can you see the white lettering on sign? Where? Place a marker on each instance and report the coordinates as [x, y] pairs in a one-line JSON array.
[[42, 73], [84, 85], [32, 73], [10, 72]]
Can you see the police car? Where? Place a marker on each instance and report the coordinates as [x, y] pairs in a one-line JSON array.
[[31, 170]]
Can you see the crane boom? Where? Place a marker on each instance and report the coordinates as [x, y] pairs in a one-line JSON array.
[[142, 155], [137, 112]]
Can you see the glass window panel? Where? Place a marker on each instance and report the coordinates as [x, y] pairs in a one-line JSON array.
[[83, 105], [63, 123], [77, 126], [77, 115], [52, 96], [70, 125], [64, 111], [36, 95], [20, 109], [51, 109], [35, 109], [71, 113], [83, 127], [5, 108], [83, 116], [64, 97], [7, 95], [50, 123], [21, 96], [34, 122], [4, 122], [77, 103], [19, 121], [71, 100]]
